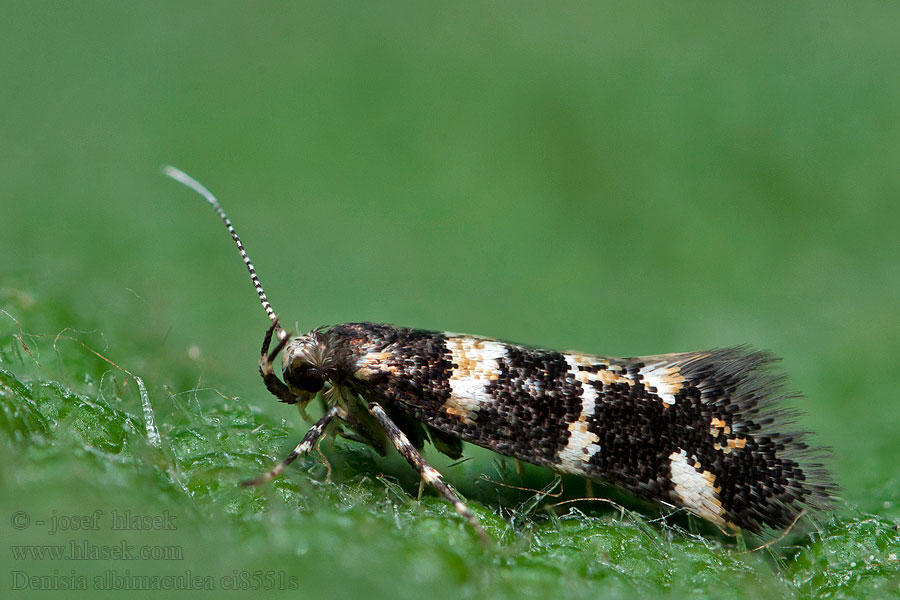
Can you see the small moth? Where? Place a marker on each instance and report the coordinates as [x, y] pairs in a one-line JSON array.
[[692, 430]]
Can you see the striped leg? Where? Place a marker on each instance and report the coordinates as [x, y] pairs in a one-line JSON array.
[[428, 473], [309, 440]]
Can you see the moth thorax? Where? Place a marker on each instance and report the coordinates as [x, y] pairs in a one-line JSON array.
[[307, 362]]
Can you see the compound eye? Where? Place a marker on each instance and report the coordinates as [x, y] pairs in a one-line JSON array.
[[305, 377], [311, 384]]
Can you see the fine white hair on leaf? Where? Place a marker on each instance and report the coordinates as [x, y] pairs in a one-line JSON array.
[[149, 419]]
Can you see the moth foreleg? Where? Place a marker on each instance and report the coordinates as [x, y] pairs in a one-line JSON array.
[[309, 440], [428, 473]]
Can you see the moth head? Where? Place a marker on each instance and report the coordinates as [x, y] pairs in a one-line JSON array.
[[307, 363]]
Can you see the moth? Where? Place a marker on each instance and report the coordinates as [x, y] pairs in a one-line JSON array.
[[697, 430]]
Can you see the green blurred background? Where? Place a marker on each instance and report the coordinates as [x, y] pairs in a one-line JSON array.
[[612, 178]]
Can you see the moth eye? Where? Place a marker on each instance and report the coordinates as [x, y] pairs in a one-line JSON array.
[[310, 384], [304, 377]]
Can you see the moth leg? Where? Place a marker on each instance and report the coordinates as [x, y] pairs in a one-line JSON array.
[[305, 445], [428, 473], [273, 384]]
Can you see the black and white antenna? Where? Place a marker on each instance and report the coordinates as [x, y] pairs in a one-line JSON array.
[[182, 177]]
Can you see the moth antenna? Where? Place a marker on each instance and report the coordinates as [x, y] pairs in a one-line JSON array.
[[182, 177]]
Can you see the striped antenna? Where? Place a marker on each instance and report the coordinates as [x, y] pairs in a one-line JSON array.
[[182, 177]]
